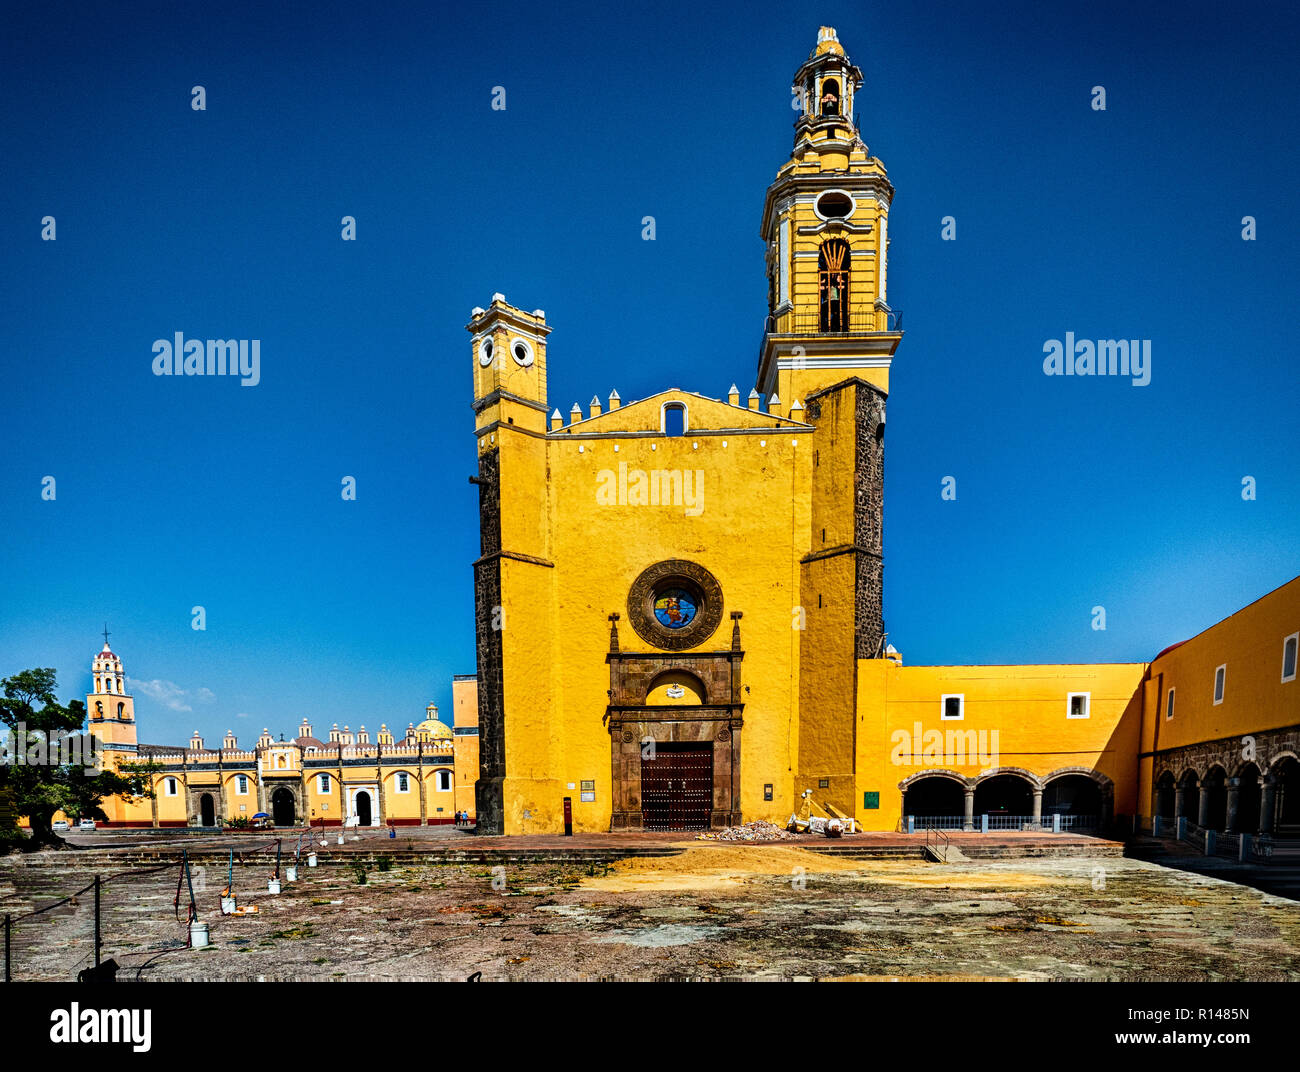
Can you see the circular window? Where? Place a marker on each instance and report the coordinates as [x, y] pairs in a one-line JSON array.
[[485, 351], [834, 205], [522, 352], [675, 608], [675, 604]]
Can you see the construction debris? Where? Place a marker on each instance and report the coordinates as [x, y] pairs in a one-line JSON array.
[[758, 830]]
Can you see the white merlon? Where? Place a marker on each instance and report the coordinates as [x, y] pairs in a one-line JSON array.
[[476, 312], [498, 297], [540, 314]]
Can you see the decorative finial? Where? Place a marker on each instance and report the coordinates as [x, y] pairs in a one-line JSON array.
[[106, 634]]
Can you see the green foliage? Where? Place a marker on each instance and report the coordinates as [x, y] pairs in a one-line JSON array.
[[41, 788], [360, 872], [384, 863]]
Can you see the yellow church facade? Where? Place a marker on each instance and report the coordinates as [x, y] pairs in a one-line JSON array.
[[679, 599]]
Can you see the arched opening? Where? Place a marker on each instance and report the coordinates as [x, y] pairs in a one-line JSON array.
[[674, 419], [1004, 794], [1072, 794], [1187, 796], [1214, 804], [207, 810], [1248, 800], [833, 284], [282, 809], [830, 102], [363, 808], [676, 687], [1286, 775], [934, 796], [1165, 792]]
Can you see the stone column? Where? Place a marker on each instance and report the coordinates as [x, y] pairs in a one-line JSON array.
[[1180, 800], [969, 820], [1230, 819], [1203, 808], [1038, 803], [1267, 804]]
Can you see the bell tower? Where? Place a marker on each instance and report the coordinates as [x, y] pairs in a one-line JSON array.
[[826, 226], [111, 710], [509, 353]]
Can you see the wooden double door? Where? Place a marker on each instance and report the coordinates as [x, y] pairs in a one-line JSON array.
[[677, 786]]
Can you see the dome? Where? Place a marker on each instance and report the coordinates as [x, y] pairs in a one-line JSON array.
[[434, 728], [828, 41]]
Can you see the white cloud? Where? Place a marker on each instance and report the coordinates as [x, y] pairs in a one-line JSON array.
[[170, 694]]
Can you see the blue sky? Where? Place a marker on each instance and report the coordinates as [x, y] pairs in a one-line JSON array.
[[176, 492]]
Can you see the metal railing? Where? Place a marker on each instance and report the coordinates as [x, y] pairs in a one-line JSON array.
[[856, 319], [984, 822]]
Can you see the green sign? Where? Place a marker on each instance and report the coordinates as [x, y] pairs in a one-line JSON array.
[[871, 800]]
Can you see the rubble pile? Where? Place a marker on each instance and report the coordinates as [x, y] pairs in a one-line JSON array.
[[758, 830]]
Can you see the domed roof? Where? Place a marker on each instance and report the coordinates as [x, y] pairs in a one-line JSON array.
[[828, 41], [434, 727]]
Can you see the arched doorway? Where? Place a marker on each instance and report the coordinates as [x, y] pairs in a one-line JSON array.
[[1072, 794], [1248, 800], [207, 810], [1004, 794], [363, 808], [1286, 808], [1214, 802], [1165, 795], [933, 796], [282, 808]]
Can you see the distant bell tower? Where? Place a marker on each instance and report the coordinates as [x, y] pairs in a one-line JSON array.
[[826, 226], [111, 710]]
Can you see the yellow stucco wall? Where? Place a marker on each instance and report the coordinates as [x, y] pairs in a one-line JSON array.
[[1026, 706]]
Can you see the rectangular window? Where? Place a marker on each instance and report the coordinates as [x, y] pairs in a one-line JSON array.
[[324, 783], [1169, 706], [1289, 656], [403, 783], [953, 707], [1077, 704], [1218, 683], [171, 787], [444, 781], [243, 785]]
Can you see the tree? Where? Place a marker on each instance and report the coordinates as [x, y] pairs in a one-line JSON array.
[[38, 772]]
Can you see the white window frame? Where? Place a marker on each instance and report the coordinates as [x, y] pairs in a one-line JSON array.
[[402, 778], [1069, 704], [441, 774], [960, 697], [1294, 638], [170, 787], [1169, 704], [241, 785], [323, 783], [1220, 684], [674, 403]]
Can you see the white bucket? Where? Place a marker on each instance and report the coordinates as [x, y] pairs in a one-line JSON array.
[[273, 885], [227, 906], [291, 872], [311, 859], [340, 839], [198, 934]]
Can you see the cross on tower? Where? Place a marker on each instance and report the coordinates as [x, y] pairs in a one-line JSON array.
[[106, 634]]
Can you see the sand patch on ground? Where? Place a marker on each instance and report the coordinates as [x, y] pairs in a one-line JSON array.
[[713, 866]]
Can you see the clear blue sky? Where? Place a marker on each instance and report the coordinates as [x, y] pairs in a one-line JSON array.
[[173, 492]]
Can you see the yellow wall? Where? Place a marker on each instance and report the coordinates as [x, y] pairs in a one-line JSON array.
[[1024, 705]]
